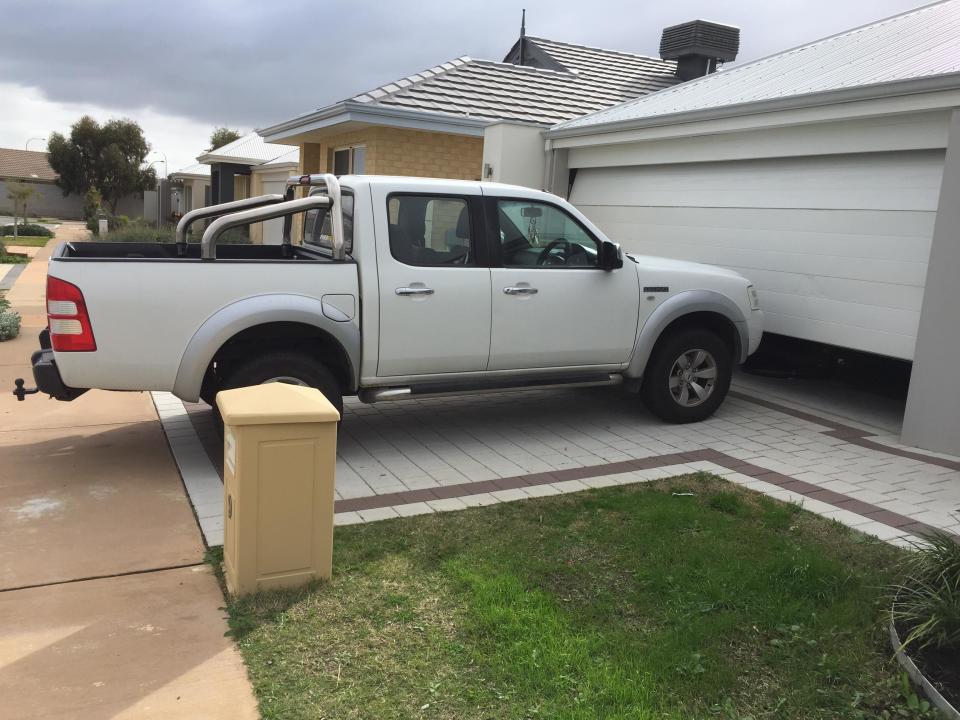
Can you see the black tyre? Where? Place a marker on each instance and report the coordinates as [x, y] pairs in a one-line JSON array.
[[282, 366], [688, 376]]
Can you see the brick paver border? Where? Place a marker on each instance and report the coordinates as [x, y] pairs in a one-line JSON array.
[[835, 429], [852, 435], [799, 487]]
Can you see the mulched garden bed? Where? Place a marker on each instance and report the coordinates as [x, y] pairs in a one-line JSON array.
[[940, 667]]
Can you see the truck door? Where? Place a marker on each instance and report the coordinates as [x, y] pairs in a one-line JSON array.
[[434, 282], [552, 305]]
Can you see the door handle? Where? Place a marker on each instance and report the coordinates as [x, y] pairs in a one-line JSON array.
[[414, 291], [520, 291]]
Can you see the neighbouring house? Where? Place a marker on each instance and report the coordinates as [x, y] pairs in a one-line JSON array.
[[232, 164], [829, 174], [473, 119], [190, 187], [48, 200]]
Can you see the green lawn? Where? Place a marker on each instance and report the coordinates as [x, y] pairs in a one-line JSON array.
[[625, 602], [25, 241]]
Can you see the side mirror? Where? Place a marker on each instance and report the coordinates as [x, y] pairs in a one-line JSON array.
[[611, 257]]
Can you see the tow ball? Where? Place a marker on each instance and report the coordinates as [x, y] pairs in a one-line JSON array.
[[21, 392]]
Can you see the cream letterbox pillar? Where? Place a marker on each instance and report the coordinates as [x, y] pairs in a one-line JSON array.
[[280, 453]]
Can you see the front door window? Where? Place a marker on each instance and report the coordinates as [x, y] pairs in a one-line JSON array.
[[534, 234]]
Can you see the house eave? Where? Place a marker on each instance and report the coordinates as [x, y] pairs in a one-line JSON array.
[[372, 114], [188, 176], [212, 158], [914, 86], [273, 167]]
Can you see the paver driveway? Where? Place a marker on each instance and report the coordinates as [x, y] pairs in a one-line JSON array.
[[444, 453]]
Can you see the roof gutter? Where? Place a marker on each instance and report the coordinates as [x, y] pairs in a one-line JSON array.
[[371, 113], [878, 91], [211, 158]]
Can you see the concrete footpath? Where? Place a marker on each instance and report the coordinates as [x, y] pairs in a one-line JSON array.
[[107, 609]]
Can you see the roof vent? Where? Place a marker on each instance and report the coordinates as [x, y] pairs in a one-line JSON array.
[[698, 46]]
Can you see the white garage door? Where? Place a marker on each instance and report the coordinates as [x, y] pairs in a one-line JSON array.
[[273, 229], [837, 245]]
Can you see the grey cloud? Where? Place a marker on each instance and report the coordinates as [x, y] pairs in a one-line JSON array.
[[250, 64]]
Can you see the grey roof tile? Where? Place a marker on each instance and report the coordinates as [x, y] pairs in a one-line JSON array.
[[594, 79]]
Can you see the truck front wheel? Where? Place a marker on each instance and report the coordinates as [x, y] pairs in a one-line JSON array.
[[688, 376], [287, 367]]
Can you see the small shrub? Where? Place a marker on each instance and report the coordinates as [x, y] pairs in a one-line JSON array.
[[114, 223], [9, 321], [25, 230], [92, 202], [927, 602], [140, 231]]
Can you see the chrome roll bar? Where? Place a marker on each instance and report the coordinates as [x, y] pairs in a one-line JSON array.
[[214, 210], [208, 243]]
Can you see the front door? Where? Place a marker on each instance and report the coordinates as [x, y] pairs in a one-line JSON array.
[[552, 305], [434, 283]]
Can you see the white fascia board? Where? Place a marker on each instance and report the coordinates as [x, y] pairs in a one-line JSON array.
[[372, 114], [275, 167], [907, 96], [210, 159]]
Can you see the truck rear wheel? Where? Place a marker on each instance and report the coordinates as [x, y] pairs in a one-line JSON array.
[[688, 376], [287, 367]]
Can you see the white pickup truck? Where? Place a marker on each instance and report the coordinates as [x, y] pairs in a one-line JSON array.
[[400, 287]]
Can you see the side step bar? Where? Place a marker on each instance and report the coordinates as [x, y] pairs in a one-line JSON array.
[[373, 395]]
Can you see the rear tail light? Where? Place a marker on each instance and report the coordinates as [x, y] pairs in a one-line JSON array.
[[67, 316]]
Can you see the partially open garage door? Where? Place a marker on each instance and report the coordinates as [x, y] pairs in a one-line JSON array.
[[837, 245]]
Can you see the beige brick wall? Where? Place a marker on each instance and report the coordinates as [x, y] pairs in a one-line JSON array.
[[396, 151]]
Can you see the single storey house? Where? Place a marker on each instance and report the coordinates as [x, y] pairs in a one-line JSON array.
[[829, 174], [48, 200], [246, 167], [232, 164], [472, 119], [190, 187]]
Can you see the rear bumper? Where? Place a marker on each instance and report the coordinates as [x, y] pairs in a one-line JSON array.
[[46, 374]]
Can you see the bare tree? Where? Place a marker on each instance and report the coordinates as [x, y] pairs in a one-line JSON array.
[[20, 193]]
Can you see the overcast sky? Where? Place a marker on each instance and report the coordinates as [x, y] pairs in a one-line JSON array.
[[182, 67]]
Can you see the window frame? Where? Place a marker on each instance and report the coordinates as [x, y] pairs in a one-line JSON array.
[[478, 234], [351, 161], [323, 249], [496, 247]]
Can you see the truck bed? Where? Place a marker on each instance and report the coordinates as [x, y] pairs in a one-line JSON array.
[[171, 251], [146, 302]]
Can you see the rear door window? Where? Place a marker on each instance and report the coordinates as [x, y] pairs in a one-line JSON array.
[[430, 230]]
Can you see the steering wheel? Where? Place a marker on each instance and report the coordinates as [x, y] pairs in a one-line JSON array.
[[546, 257]]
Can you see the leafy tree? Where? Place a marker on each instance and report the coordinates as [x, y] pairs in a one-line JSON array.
[[19, 192], [107, 157], [222, 136]]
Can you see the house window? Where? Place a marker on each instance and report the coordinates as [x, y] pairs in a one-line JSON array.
[[349, 160]]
